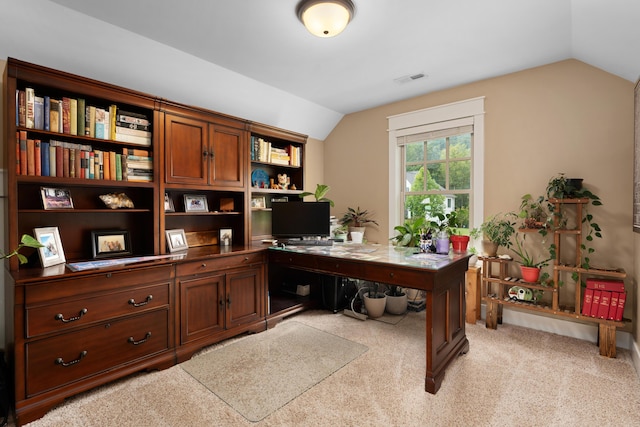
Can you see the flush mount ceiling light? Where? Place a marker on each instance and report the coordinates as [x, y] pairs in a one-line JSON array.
[[325, 18]]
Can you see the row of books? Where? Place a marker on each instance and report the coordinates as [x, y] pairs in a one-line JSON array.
[[65, 159], [73, 117], [264, 151], [604, 299]]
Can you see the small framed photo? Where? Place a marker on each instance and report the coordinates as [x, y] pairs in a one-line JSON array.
[[56, 198], [226, 236], [51, 253], [110, 243], [258, 202], [176, 240], [168, 203], [195, 203]]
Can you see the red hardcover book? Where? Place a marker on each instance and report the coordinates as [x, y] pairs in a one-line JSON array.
[[59, 161], [613, 306], [31, 160], [78, 157], [587, 301], [66, 115], [603, 309], [622, 298], [37, 157], [65, 162], [606, 285], [595, 303]]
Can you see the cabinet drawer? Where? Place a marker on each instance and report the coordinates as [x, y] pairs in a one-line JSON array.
[[67, 314], [56, 361], [218, 264], [73, 287]]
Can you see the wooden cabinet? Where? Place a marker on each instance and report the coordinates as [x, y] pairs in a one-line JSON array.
[[496, 281], [71, 333], [199, 152], [219, 298], [266, 166]]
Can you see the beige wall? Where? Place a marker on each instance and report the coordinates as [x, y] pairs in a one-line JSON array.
[[564, 117]]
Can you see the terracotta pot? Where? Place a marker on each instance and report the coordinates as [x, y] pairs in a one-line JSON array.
[[459, 243], [530, 274]]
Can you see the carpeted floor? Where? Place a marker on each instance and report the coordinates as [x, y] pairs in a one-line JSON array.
[[511, 376]]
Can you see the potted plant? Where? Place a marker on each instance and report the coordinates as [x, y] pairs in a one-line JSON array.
[[319, 194], [458, 220], [529, 267], [409, 233], [397, 300], [340, 232], [440, 235], [532, 212], [25, 241], [374, 301], [357, 219], [497, 231]]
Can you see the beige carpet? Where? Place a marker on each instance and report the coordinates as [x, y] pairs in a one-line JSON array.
[[511, 376], [259, 375]]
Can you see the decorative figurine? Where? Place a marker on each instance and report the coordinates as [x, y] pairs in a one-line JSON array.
[[283, 181]]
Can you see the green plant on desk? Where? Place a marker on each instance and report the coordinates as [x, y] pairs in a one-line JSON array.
[[29, 242]]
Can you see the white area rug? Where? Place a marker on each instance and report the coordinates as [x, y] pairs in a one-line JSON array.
[[260, 373]]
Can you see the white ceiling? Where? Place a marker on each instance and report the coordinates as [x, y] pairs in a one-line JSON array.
[[451, 41]]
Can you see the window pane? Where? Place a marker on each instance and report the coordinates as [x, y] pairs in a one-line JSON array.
[[460, 146], [414, 152], [437, 172], [413, 172], [460, 175], [436, 149]]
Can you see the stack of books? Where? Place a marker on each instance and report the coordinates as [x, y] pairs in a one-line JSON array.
[[132, 128], [604, 299], [137, 165]]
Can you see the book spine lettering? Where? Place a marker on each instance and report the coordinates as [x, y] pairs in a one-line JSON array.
[[38, 107], [587, 301], [47, 112], [605, 300], [595, 305], [21, 120], [31, 164], [37, 154], [605, 285], [23, 152], [44, 150], [30, 108]]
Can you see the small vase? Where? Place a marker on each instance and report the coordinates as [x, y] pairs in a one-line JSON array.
[[442, 243]]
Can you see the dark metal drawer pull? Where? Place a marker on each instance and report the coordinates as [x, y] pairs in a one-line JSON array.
[[140, 304], [143, 340], [60, 361], [60, 317]]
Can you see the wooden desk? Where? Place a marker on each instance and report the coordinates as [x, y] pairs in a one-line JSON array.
[[443, 279]]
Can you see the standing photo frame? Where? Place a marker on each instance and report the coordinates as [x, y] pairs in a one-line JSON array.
[[226, 237], [110, 243], [176, 240], [168, 203], [258, 202], [56, 198], [51, 252], [195, 203]]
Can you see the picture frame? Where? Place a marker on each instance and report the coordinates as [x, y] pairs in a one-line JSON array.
[[168, 203], [258, 202], [226, 237], [176, 240], [110, 243], [56, 198], [195, 203], [52, 252]]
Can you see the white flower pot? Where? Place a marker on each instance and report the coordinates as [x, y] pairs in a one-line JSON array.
[[375, 306]]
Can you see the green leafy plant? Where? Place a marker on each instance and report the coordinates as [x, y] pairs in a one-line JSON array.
[[533, 212], [498, 229], [341, 230], [357, 217], [526, 258], [409, 232], [25, 241], [395, 291], [319, 194]]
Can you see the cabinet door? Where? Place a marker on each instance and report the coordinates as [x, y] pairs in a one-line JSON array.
[[186, 150], [228, 166], [245, 301], [202, 303]]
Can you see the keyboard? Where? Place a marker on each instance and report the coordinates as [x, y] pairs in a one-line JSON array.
[[307, 242]]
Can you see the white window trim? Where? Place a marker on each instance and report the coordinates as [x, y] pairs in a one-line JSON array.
[[420, 120]]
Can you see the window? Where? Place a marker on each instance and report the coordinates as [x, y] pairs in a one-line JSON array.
[[436, 158]]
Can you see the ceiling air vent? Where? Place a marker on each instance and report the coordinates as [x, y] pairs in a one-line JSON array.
[[406, 79]]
